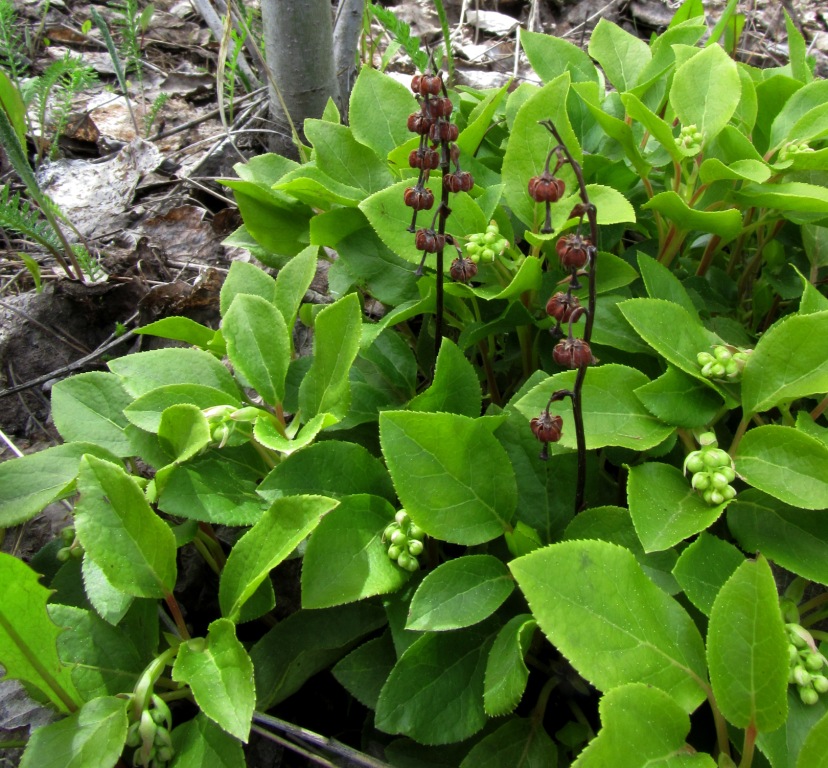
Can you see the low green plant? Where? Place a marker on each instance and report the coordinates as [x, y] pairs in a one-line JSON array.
[[486, 479]]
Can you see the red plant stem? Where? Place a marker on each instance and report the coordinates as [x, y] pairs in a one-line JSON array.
[[175, 610]]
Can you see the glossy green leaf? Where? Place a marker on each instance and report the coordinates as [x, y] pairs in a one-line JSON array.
[[92, 737], [434, 694], [726, 224], [621, 55], [184, 430], [145, 411], [346, 559], [455, 388], [364, 670], [814, 752], [28, 637], [459, 593], [292, 283], [794, 538], [265, 545], [313, 186], [704, 567], [518, 743], [641, 727], [306, 642], [706, 91], [12, 104], [325, 387], [246, 278], [713, 169], [550, 56], [611, 621], [145, 371], [676, 398], [180, 329], [613, 415], [89, 407], [200, 742], [31, 482], [801, 102], [267, 433], [661, 283], [785, 463], [120, 532], [788, 362], [664, 507], [110, 604], [450, 473], [747, 649], [506, 671], [479, 124], [266, 169], [658, 128], [379, 106], [793, 197], [220, 675]]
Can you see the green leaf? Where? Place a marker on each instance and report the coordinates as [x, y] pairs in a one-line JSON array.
[[325, 387], [601, 606], [180, 329], [550, 56], [788, 362], [111, 604], [318, 469], [306, 642], [747, 649], [292, 283], [664, 507], [434, 694], [364, 670], [660, 130], [345, 159], [450, 473], [518, 743], [460, 593], [613, 415], [714, 169], [785, 463], [794, 538], [661, 283], [120, 532], [220, 675], [704, 567], [265, 545], [794, 198], [200, 742], [316, 188], [28, 637], [12, 104], [814, 752], [93, 737], [184, 430], [266, 169], [506, 671], [258, 345], [267, 433], [479, 124], [706, 91], [245, 278], [455, 387], [31, 482], [641, 726], [145, 371], [89, 407], [804, 100], [145, 411], [346, 559], [621, 55], [378, 107], [676, 398], [726, 224]]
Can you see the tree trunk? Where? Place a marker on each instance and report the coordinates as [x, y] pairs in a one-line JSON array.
[[347, 30]]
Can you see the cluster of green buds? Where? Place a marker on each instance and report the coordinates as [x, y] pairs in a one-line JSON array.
[[806, 664], [690, 139], [405, 541], [712, 470], [230, 425], [71, 546], [150, 735], [794, 148], [725, 362], [485, 246]]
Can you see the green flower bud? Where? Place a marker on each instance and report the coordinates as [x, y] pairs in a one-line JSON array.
[[408, 563], [487, 255], [490, 237], [473, 248], [713, 497], [728, 473], [389, 531], [718, 481], [476, 238], [700, 481], [415, 547], [133, 738], [728, 492], [501, 245], [67, 535], [247, 414], [708, 438], [415, 532], [814, 661], [793, 652], [820, 683], [394, 551], [162, 737], [809, 696], [796, 635], [165, 754], [716, 457], [399, 538], [402, 517], [732, 369], [475, 257], [160, 711], [63, 554], [722, 353], [694, 462], [801, 675], [707, 370], [492, 226], [147, 727], [717, 370], [705, 358]]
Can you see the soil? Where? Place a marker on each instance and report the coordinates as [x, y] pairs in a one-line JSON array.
[[154, 214]]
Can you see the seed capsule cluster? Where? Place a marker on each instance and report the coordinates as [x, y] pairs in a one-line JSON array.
[[712, 470], [807, 664], [405, 541], [725, 362], [485, 246]]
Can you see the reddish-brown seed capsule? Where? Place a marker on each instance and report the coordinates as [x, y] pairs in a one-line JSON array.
[[561, 305], [429, 85], [573, 251], [429, 241], [573, 353], [461, 181], [443, 131], [577, 211], [428, 159], [462, 270], [419, 198], [546, 188], [439, 106], [547, 428], [415, 83], [419, 123]]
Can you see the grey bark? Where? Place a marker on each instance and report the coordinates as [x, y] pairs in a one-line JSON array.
[[347, 31], [299, 51]]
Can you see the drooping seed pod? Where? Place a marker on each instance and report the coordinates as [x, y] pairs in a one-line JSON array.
[[461, 181], [439, 107], [443, 131], [419, 123], [546, 427], [424, 158], [419, 198], [572, 353], [573, 251], [546, 188], [415, 83], [561, 305], [429, 241], [462, 270], [429, 85]]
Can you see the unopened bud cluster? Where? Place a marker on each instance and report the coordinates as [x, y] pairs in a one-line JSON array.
[[485, 246], [150, 735], [691, 138], [230, 425], [712, 471], [405, 541], [725, 362], [71, 548], [794, 148], [806, 664]]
